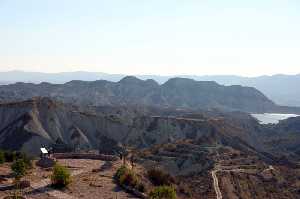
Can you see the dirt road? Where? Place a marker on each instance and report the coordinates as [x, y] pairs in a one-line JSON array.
[[216, 184]]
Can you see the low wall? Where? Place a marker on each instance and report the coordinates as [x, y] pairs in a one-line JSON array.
[[85, 156]]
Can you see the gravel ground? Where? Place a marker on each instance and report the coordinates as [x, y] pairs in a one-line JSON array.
[[88, 181]]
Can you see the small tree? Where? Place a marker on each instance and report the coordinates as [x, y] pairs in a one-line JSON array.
[[19, 169], [27, 160], [126, 176], [60, 177], [163, 192]]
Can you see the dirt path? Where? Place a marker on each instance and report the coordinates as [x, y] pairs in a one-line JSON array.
[[216, 181], [216, 184]]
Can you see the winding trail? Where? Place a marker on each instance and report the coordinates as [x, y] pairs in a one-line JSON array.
[[216, 181], [216, 184]]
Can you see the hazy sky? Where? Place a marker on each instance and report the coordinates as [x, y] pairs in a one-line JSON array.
[[151, 36]]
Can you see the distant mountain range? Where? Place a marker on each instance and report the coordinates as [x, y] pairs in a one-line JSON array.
[[177, 93], [282, 89]]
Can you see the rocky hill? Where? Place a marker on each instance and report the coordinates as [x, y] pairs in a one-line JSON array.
[[27, 125], [176, 93]]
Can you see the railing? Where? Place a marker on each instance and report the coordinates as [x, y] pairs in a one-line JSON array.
[[85, 156]]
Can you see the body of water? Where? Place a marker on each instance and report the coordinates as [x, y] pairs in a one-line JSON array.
[[272, 118]]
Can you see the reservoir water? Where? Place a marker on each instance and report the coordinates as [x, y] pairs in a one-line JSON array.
[[272, 118]]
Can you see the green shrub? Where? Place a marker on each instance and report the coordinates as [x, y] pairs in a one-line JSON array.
[[126, 176], [18, 168], [129, 179], [120, 172], [159, 177], [12, 156], [2, 157], [60, 177], [163, 192], [27, 160]]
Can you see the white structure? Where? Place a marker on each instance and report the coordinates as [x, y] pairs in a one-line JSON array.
[[44, 151]]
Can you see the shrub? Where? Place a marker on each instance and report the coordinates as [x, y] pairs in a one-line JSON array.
[[120, 172], [163, 192], [159, 177], [60, 177], [129, 179], [2, 157], [11, 156], [18, 168], [27, 160], [126, 176]]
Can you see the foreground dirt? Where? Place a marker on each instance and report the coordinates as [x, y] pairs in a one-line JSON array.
[[234, 176], [88, 181]]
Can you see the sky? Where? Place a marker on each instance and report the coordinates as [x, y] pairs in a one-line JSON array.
[[162, 37]]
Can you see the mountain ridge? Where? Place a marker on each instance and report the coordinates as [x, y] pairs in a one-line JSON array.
[[176, 93], [281, 88]]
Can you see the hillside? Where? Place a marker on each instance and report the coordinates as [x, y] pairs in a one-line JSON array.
[[27, 125]]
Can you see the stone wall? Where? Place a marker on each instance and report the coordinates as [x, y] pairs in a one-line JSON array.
[[85, 156]]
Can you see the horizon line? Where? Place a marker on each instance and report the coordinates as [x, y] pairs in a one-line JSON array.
[[176, 75]]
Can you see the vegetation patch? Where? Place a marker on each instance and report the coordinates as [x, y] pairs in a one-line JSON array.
[[19, 169], [163, 192], [12, 156], [60, 177], [127, 177], [159, 178]]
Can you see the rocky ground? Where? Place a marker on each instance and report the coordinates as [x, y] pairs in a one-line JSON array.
[[232, 175], [87, 181], [218, 172], [237, 175]]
